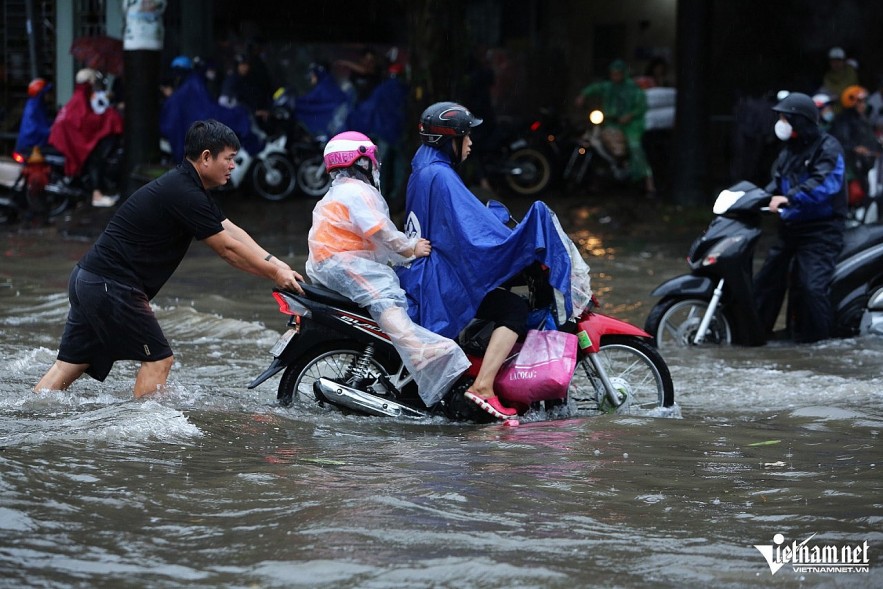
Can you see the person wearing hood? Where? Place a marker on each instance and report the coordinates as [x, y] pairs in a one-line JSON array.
[[853, 129], [35, 120], [86, 131], [810, 197], [475, 253], [624, 105]]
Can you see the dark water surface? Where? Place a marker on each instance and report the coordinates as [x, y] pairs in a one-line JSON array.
[[212, 485]]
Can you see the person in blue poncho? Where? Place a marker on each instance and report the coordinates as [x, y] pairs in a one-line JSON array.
[[475, 253], [35, 120]]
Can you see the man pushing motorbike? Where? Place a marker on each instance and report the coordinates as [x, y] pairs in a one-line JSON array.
[[810, 196], [111, 286]]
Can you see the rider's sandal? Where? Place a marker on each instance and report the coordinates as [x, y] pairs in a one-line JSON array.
[[491, 405]]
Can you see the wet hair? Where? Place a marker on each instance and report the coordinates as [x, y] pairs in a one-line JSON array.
[[208, 135]]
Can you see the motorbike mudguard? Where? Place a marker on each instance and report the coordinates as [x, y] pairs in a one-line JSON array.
[[685, 285], [596, 326], [296, 348]]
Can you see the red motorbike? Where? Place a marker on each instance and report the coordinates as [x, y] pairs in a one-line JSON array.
[[334, 354]]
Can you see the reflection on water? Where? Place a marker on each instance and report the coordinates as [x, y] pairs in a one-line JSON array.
[[212, 485]]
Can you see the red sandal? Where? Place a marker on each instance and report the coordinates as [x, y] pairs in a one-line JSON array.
[[491, 405]]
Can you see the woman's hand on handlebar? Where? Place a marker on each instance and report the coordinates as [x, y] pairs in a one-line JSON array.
[[777, 203]]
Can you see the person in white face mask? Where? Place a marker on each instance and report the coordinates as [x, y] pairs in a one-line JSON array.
[[809, 195]]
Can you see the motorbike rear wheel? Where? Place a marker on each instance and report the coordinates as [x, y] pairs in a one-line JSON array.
[[536, 171], [311, 177], [674, 322], [635, 368], [331, 362], [274, 177]]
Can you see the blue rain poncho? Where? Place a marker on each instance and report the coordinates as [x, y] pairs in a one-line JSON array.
[[473, 251]]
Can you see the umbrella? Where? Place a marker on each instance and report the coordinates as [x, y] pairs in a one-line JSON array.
[[104, 54]]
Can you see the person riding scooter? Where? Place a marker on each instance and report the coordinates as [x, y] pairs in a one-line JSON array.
[[85, 132], [810, 196], [35, 120]]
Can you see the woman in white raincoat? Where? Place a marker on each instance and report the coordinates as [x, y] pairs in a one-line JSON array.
[[353, 243]]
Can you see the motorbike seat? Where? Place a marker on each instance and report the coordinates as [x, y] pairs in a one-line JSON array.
[[330, 297], [859, 238]]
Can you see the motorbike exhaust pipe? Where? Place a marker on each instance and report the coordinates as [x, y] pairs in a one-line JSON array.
[[362, 402]]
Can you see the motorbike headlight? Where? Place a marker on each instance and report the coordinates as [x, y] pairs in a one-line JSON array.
[[596, 117], [720, 248]]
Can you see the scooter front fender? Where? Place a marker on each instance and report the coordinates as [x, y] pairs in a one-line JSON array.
[[596, 326], [686, 285]]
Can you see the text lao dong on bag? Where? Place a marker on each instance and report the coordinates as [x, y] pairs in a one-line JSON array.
[[542, 369]]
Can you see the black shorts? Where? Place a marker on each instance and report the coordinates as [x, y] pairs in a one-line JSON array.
[[505, 309], [109, 321]]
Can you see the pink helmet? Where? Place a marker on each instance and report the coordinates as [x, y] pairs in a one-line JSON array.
[[344, 149]]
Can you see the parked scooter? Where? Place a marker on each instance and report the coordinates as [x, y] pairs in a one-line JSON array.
[[599, 151], [714, 303], [519, 157], [334, 353], [270, 172], [304, 149]]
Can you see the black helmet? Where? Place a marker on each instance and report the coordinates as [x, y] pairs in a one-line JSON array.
[[445, 119], [798, 104]]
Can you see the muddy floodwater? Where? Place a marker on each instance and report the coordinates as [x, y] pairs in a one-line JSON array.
[[214, 485]]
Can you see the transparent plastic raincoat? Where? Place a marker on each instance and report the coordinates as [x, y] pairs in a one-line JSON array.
[[353, 244]]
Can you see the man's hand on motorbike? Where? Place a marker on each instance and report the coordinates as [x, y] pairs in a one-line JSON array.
[[777, 203], [625, 119], [422, 249], [288, 279]]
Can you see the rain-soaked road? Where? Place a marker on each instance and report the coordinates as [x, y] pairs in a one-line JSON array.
[[212, 485]]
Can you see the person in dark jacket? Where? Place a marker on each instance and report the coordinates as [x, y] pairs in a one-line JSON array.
[[810, 197]]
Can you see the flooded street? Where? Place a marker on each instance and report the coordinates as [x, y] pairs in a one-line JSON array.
[[213, 485]]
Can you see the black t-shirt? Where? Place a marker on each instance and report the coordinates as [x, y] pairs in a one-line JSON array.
[[147, 238]]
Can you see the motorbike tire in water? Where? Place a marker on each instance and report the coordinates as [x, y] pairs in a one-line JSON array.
[[49, 201], [636, 370], [311, 177], [536, 171], [674, 322], [274, 177], [333, 361]]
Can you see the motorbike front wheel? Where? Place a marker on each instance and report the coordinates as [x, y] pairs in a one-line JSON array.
[[536, 171], [331, 362], [311, 177], [274, 177], [635, 369], [674, 322]]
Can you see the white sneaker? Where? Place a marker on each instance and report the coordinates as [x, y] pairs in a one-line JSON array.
[[105, 200]]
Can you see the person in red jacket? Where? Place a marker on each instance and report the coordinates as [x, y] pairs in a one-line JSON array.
[[86, 130]]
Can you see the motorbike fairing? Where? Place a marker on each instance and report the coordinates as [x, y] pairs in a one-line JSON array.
[[601, 325], [685, 286], [331, 310]]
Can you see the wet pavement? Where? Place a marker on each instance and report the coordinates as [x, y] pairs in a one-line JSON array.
[[213, 485]]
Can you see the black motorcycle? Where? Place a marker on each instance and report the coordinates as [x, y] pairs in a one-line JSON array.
[[714, 303], [519, 155]]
